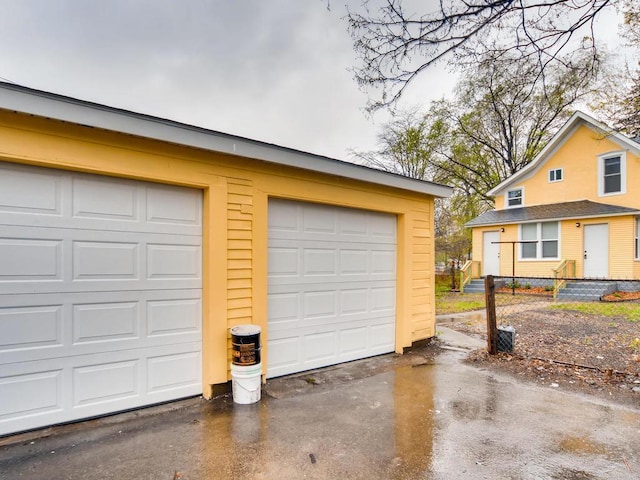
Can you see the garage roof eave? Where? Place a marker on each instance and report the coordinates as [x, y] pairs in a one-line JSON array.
[[58, 107]]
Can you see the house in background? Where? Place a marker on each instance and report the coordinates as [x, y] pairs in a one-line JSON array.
[[130, 244], [578, 202]]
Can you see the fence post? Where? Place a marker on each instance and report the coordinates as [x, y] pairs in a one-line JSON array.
[[492, 324]]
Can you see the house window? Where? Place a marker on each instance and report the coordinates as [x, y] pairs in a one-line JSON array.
[[515, 198], [612, 174], [555, 175], [546, 236]]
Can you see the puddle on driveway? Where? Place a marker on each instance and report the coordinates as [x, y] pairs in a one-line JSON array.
[[442, 421]]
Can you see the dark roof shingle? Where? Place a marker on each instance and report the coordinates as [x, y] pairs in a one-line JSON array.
[[579, 209]]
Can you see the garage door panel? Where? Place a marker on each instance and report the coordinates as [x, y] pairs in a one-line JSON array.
[[100, 295], [99, 322], [65, 389], [309, 222], [63, 260], [30, 394], [175, 373], [331, 285], [110, 321], [320, 346], [173, 261], [49, 198], [104, 199], [105, 260], [24, 258], [380, 337], [179, 316], [23, 192], [319, 261], [168, 205], [353, 341], [105, 382], [30, 327], [284, 354]]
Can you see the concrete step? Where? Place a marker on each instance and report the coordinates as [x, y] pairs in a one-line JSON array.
[[475, 286], [586, 291]]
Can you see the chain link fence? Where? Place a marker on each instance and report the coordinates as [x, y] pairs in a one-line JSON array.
[[576, 322]]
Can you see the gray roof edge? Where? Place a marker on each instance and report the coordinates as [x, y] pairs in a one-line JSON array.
[[553, 219], [58, 107]]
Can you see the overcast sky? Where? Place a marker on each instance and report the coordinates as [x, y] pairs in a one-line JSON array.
[[272, 70]]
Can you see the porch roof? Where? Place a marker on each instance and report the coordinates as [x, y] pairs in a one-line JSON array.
[[552, 211]]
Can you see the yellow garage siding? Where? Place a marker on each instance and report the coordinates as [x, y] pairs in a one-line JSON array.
[[236, 193], [423, 298], [239, 254]]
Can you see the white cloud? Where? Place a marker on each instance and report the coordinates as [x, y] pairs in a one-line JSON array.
[[275, 71]]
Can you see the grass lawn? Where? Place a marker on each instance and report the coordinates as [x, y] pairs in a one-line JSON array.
[[628, 311]]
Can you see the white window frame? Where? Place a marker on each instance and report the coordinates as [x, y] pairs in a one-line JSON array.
[[623, 173], [539, 245], [555, 171], [506, 198]]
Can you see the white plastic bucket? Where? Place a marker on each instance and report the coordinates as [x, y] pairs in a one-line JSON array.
[[246, 382]]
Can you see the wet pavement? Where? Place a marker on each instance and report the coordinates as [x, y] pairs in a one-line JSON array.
[[416, 416]]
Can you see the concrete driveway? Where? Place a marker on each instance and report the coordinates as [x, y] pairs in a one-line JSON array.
[[391, 417]]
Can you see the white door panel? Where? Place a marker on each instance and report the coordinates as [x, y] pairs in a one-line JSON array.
[[332, 279], [100, 295], [596, 251], [491, 253]]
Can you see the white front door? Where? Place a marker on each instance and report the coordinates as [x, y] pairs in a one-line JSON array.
[[491, 253], [596, 251]]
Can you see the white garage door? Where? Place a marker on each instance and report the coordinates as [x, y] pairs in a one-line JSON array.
[[100, 295], [332, 285]]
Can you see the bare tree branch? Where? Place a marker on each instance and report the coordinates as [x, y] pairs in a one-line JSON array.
[[394, 46]]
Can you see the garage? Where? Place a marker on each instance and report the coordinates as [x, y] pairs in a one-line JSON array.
[[100, 295], [131, 244], [331, 285]]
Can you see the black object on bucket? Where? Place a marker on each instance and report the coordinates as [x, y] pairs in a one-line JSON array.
[[245, 342]]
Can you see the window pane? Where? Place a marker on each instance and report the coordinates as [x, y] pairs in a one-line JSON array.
[[552, 175], [530, 231], [550, 249], [611, 183], [529, 250], [550, 230], [612, 166], [514, 197], [559, 174]]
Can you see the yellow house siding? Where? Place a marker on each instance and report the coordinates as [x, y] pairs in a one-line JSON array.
[[235, 213], [578, 157], [621, 247], [572, 244]]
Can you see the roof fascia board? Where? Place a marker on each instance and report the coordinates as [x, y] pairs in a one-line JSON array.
[[57, 107]]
